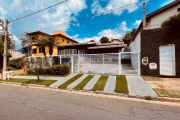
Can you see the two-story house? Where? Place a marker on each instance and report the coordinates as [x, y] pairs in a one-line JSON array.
[[61, 37]]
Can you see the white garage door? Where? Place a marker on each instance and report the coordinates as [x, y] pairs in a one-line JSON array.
[[167, 60]]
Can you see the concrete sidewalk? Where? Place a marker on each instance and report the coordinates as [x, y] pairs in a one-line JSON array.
[[138, 87], [62, 80]]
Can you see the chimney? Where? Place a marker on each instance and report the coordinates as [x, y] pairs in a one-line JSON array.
[[144, 15]]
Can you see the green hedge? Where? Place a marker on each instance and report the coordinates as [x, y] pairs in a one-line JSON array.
[[52, 70], [17, 63], [173, 21]]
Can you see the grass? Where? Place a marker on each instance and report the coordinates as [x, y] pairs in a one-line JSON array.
[[81, 85], [121, 84], [168, 93], [149, 78], [64, 85], [100, 83], [43, 75], [31, 81]]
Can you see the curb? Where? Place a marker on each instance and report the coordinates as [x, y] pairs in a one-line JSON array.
[[166, 99], [23, 84]]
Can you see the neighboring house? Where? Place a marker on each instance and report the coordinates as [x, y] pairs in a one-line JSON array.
[[157, 45], [17, 53], [59, 35], [91, 48]]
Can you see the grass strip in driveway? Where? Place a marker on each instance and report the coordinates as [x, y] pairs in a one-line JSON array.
[[100, 83], [168, 93], [121, 84], [81, 85], [64, 85], [31, 81]]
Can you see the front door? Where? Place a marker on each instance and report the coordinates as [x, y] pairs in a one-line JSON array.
[[167, 60]]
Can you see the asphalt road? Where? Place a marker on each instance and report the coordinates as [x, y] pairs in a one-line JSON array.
[[22, 103]]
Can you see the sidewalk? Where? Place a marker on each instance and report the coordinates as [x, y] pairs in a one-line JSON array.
[[138, 87]]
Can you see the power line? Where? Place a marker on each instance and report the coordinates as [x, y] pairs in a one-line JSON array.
[[38, 11], [91, 16]]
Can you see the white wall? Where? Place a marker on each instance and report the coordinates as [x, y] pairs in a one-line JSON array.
[[156, 20], [135, 46], [16, 54]]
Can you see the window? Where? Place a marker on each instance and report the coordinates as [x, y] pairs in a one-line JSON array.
[[35, 37], [72, 51], [40, 50], [34, 51], [63, 40], [68, 42], [178, 9]]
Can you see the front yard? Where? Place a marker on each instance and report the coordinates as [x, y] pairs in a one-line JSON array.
[[30, 81]]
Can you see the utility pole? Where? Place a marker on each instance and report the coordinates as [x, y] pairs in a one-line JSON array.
[[144, 15], [5, 47]]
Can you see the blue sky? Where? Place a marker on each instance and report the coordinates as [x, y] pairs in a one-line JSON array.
[[113, 24]]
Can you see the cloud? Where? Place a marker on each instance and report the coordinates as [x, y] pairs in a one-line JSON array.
[[62, 13], [115, 33], [112, 4], [137, 23]]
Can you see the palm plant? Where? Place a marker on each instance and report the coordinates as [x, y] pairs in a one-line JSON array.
[[49, 41]]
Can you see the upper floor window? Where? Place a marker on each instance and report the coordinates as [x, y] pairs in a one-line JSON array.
[[178, 9], [40, 50], [34, 50], [68, 42], [35, 37], [63, 40]]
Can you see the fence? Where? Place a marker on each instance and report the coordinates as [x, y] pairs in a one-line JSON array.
[[126, 63]]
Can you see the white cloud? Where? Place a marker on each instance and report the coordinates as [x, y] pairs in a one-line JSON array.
[[115, 33], [112, 4], [137, 23]]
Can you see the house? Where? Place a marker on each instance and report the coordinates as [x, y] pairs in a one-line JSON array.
[[159, 47], [59, 35]]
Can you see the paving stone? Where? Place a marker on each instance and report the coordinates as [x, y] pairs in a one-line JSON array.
[[91, 83], [110, 84]]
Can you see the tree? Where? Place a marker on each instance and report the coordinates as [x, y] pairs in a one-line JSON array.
[[173, 21], [92, 41], [1, 53], [127, 38], [49, 41], [25, 42], [104, 40]]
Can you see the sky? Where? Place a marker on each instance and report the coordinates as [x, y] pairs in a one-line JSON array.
[[104, 17]]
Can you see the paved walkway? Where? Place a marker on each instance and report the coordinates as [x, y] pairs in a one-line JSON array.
[[62, 80], [92, 82], [110, 85], [138, 87], [72, 85]]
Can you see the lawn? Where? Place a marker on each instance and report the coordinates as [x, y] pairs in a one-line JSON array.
[[168, 93], [149, 78], [43, 75], [64, 85], [100, 83], [31, 81], [81, 85], [121, 84]]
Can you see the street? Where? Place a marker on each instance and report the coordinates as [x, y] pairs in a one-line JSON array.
[[20, 103]]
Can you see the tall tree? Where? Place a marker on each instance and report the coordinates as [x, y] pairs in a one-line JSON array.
[[92, 41], [104, 40], [127, 38], [48, 41]]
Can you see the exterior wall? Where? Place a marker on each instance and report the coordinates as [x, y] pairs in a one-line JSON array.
[[151, 40], [135, 47], [16, 54], [155, 21]]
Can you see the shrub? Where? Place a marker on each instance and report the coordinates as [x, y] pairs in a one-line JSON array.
[[30, 71], [148, 97], [173, 21], [52, 70], [17, 63]]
